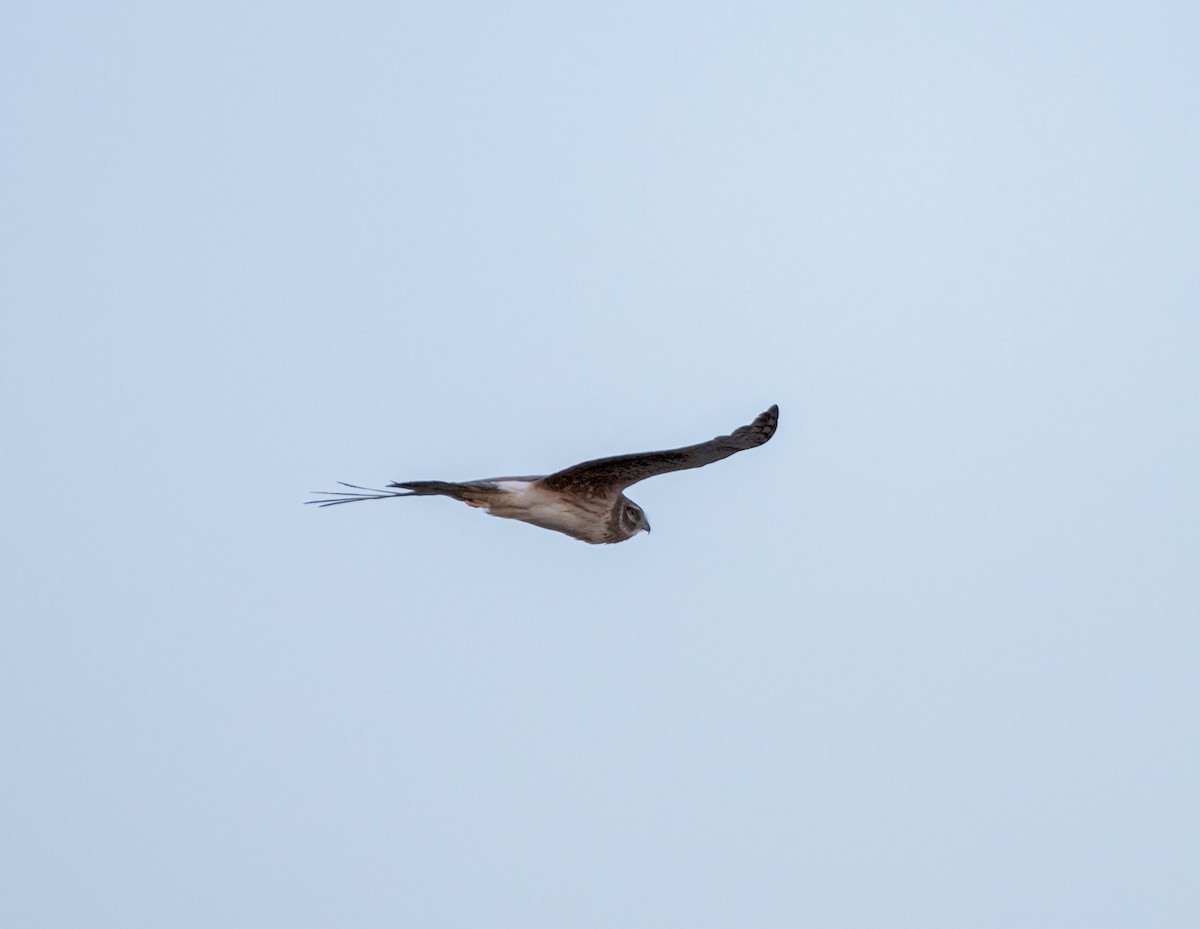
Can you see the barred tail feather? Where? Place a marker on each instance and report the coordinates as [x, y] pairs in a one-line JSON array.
[[476, 493], [431, 488]]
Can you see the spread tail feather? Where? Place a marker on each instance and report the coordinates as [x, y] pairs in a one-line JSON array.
[[374, 493], [476, 493]]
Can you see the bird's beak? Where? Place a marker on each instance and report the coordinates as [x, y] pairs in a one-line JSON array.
[[647, 528]]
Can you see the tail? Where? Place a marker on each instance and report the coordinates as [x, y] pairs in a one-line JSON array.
[[477, 493]]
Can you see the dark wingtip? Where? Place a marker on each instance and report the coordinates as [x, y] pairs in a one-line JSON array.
[[766, 423]]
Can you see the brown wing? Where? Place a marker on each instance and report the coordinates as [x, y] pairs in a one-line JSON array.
[[612, 475]]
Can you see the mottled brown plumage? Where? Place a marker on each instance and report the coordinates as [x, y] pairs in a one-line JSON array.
[[620, 471], [584, 501]]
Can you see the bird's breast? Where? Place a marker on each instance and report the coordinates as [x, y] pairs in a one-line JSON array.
[[582, 517]]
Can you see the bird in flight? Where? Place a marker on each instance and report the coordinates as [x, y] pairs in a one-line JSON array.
[[585, 501]]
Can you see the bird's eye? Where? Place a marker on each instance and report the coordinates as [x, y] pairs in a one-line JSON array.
[[634, 514]]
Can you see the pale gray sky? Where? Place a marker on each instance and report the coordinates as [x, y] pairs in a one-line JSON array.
[[928, 659]]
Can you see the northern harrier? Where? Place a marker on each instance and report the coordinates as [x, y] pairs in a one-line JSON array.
[[584, 501]]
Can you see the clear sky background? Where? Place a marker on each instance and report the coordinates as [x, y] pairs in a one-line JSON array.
[[928, 659]]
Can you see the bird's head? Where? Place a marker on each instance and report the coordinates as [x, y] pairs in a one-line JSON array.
[[633, 517]]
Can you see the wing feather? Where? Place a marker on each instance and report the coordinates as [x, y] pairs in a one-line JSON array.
[[604, 476]]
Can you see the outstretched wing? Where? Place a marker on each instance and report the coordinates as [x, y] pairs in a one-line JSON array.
[[612, 475]]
